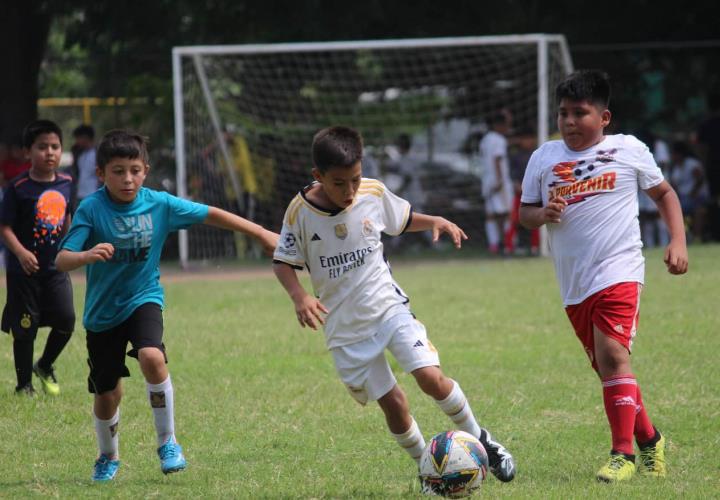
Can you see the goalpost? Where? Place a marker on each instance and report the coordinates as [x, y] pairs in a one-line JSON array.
[[245, 116]]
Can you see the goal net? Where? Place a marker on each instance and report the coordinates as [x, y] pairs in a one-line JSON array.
[[245, 116]]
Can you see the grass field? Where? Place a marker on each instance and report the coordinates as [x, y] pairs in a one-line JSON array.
[[261, 413]]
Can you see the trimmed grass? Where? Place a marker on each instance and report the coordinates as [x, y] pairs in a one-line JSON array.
[[261, 413]]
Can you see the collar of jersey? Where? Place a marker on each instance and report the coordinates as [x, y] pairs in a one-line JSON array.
[[121, 206], [318, 208]]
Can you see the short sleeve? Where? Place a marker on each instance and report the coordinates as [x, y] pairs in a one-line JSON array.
[[9, 206], [649, 174], [531, 183], [396, 213], [289, 248], [497, 147], [184, 213], [80, 230]]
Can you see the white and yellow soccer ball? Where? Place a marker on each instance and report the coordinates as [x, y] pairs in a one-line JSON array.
[[453, 464]]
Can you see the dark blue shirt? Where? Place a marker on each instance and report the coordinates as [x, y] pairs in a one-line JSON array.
[[36, 212]]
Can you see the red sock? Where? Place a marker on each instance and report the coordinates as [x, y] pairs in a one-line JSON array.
[[644, 430], [619, 393]]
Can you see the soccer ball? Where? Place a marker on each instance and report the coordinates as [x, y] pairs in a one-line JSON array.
[[453, 464]]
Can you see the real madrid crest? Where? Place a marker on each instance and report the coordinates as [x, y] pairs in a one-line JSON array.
[[367, 227], [341, 231]]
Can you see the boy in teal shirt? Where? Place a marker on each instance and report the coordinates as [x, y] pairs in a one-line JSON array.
[[118, 233]]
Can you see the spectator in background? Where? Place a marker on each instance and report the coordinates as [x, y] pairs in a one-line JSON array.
[[653, 231], [688, 178], [16, 162], [83, 167], [708, 141], [497, 187], [524, 143]]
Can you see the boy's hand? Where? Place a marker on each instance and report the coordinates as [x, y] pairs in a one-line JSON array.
[[28, 262], [269, 241], [441, 225], [310, 312], [102, 252], [676, 258], [554, 209]]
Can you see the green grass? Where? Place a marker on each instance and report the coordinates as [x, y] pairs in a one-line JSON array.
[[261, 412]]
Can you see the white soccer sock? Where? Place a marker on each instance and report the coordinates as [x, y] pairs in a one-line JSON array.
[[107, 435], [492, 232], [457, 407], [161, 399], [412, 441]]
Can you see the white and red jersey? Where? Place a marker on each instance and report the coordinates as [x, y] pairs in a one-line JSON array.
[[597, 243], [344, 254]]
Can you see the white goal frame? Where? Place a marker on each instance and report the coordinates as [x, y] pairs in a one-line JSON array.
[[542, 41]]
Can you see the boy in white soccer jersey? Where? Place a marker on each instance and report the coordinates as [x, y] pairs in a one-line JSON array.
[[118, 233], [585, 189], [333, 227], [497, 187]]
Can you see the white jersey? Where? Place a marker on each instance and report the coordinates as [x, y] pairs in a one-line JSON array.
[[344, 254], [597, 243], [492, 146]]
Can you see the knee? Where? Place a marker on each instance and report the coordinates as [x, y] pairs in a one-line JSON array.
[[395, 402], [432, 382], [152, 360]]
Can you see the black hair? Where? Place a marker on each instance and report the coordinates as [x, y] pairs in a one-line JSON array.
[[590, 85], [35, 129], [122, 144], [498, 118], [682, 148], [336, 146], [84, 130], [404, 142]]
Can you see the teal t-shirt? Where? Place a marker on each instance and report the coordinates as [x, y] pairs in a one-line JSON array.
[[138, 231]]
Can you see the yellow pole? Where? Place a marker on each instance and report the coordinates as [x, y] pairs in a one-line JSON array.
[[86, 111]]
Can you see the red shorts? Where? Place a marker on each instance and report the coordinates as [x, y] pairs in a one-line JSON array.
[[614, 310]]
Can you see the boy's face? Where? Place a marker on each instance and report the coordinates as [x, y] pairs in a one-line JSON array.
[[123, 178], [340, 184], [45, 152], [581, 123]]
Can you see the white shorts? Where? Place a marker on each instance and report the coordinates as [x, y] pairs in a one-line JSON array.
[[365, 371], [498, 203]]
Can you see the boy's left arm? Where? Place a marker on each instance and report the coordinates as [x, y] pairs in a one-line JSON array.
[[438, 225], [225, 220], [676, 255]]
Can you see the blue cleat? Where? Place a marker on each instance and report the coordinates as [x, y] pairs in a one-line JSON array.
[[105, 469], [171, 457]]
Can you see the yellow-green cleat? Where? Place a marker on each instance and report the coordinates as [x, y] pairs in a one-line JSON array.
[[617, 469], [48, 380], [652, 459]]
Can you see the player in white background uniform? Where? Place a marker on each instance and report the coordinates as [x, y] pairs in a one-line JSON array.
[[333, 228], [585, 189]]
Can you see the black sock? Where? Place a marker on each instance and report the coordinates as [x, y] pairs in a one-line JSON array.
[[23, 354], [652, 442], [626, 455], [56, 342]]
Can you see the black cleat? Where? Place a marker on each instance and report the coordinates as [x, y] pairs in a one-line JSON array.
[[502, 464]]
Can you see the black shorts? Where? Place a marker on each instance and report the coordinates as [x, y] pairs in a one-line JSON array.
[[106, 349], [38, 300]]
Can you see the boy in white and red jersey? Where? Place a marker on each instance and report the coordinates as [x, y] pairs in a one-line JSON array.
[[585, 188], [333, 227]]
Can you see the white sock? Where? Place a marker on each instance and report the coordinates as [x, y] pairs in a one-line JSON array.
[[161, 399], [412, 441], [107, 435], [457, 407], [493, 235]]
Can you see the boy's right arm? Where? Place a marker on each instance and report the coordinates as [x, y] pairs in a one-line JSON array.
[[534, 215], [27, 259], [68, 260], [308, 309]]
